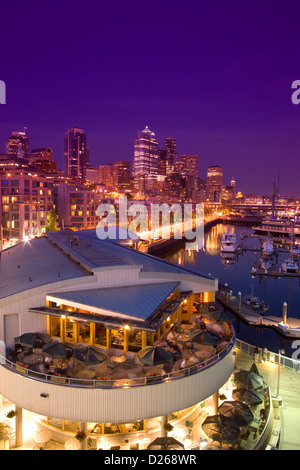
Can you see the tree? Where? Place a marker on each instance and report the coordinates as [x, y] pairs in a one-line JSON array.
[[51, 221]]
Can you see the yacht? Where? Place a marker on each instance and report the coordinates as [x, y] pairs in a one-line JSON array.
[[278, 228], [228, 243], [289, 266], [268, 247], [265, 264]]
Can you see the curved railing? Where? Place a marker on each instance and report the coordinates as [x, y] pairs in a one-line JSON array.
[[121, 382]]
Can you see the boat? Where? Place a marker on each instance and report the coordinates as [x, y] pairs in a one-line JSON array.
[[295, 251], [268, 247], [254, 301], [228, 243], [289, 266], [278, 228], [265, 264]]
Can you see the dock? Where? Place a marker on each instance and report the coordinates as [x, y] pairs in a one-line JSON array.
[[277, 274], [253, 318]]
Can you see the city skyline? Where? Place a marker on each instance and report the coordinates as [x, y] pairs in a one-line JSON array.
[[220, 83]]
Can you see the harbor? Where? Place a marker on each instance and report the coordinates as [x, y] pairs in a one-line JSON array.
[[249, 315], [273, 287]]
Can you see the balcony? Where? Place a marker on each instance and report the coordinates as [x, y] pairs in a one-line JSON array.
[[115, 400]]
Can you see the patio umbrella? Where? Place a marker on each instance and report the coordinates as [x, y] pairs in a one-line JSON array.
[[239, 412], [254, 369], [207, 307], [58, 350], [248, 379], [207, 338], [222, 429], [165, 443], [90, 356], [250, 397], [221, 316], [155, 355], [33, 340]]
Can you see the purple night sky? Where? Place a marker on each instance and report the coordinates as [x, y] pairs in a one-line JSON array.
[[216, 75]]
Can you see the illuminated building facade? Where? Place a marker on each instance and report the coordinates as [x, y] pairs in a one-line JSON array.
[[145, 155]]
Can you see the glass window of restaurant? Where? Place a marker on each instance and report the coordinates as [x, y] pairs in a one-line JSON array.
[[100, 334], [55, 326], [84, 332]]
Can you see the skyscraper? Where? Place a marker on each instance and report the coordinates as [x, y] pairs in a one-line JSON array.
[[76, 155], [214, 183], [171, 152], [106, 176], [145, 155], [162, 162], [122, 175], [191, 167], [18, 145]]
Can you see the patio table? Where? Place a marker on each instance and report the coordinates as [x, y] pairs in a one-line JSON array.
[[33, 359], [86, 374]]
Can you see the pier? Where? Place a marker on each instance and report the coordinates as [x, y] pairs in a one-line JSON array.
[[276, 274], [253, 318], [163, 248]]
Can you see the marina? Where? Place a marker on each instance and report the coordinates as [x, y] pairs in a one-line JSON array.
[[273, 286]]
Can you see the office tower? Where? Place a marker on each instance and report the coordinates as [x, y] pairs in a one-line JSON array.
[[171, 153], [122, 175], [106, 176], [162, 162], [214, 183], [92, 175], [190, 163], [42, 159], [232, 184], [18, 145], [76, 154], [145, 155]]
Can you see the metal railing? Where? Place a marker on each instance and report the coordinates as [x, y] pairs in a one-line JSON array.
[[100, 382], [285, 361]]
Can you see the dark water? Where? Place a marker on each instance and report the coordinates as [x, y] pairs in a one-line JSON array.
[[237, 274]]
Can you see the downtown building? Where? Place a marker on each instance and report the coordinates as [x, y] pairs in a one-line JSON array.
[[26, 199], [214, 183], [76, 153], [76, 206], [18, 145], [145, 162], [171, 154]]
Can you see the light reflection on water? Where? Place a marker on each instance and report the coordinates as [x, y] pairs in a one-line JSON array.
[[235, 270]]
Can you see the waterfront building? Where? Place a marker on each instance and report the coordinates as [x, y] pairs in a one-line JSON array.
[[76, 206], [79, 289], [145, 156], [18, 144], [26, 199], [76, 153]]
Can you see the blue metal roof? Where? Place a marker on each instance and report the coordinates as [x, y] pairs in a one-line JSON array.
[[138, 301]]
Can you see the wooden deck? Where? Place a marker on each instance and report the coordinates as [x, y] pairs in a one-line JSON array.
[[289, 392]]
